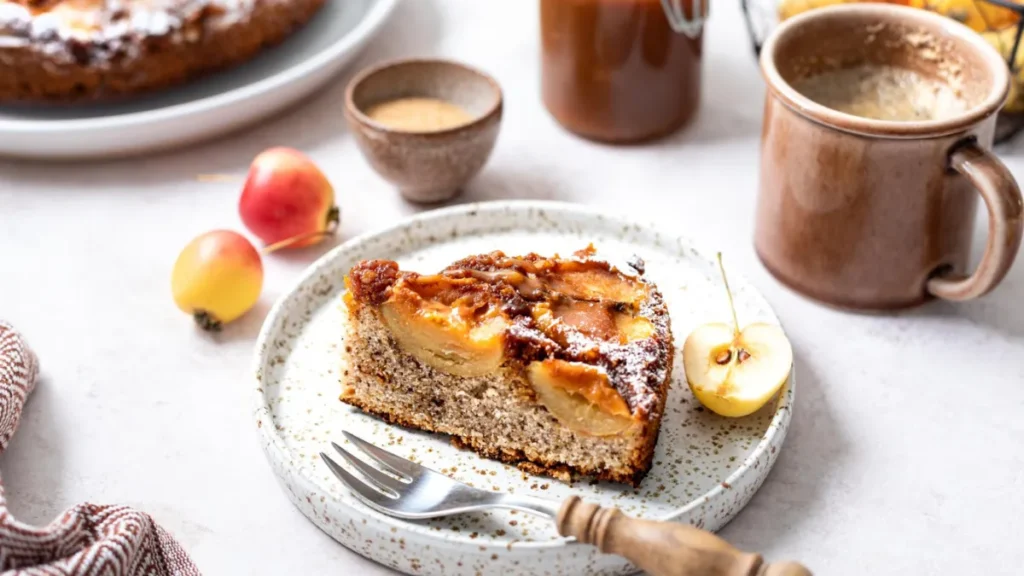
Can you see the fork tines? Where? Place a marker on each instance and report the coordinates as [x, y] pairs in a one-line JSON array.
[[377, 486]]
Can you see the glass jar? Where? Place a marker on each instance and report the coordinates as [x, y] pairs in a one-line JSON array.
[[621, 70]]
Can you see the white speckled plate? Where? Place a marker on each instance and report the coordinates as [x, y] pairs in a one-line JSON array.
[[706, 467]]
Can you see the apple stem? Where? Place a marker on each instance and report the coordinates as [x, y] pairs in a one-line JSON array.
[[218, 178], [333, 217], [295, 240], [728, 292], [206, 321]]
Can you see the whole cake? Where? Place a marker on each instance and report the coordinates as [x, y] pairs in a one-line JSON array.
[[560, 366], [79, 50]]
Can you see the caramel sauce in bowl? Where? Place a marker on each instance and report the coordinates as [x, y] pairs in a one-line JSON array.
[[427, 126], [419, 114]]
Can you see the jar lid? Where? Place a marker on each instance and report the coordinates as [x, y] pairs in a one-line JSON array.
[[692, 25]]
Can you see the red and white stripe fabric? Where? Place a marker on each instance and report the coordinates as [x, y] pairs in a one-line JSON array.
[[89, 539]]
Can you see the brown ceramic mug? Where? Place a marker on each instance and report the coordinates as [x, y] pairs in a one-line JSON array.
[[874, 214]]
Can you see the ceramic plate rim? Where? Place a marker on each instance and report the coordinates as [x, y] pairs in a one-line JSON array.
[[778, 423], [375, 16]]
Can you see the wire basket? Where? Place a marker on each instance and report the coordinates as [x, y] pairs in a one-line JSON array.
[[1000, 22]]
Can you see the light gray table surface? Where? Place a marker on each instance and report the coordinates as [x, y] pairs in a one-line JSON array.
[[905, 454]]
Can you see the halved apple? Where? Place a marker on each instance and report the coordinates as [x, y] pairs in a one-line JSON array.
[[735, 372], [440, 338], [580, 397], [735, 375]]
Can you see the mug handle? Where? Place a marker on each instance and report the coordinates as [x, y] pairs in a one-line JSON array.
[[1005, 207]]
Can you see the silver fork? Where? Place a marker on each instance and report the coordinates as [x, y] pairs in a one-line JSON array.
[[401, 488]]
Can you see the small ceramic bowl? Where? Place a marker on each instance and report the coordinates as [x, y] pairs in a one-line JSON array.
[[426, 166]]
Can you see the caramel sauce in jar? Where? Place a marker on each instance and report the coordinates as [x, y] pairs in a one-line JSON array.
[[615, 70]]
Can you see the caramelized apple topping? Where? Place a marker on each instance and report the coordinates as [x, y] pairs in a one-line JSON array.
[[593, 319], [537, 278], [596, 284], [632, 328], [588, 334], [370, 280]]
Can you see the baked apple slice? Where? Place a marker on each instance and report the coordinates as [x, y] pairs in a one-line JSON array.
[[441, 339], [580, 397]]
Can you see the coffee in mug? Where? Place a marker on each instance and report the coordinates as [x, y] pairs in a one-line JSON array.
[[876, 146]]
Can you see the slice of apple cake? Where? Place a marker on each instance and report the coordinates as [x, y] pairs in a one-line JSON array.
[[560, 366]]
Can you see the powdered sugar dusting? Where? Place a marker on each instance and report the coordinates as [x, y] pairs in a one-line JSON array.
[[95, 33]]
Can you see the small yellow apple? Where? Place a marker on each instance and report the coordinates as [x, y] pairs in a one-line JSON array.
[[217, 277]]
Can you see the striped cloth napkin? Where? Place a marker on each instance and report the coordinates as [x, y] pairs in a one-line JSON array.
[[88, 539]]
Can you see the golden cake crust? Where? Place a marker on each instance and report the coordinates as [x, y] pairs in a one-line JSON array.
[[64, 51]]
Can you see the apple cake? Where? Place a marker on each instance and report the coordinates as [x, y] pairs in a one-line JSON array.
[[76, 50], [560, 366]]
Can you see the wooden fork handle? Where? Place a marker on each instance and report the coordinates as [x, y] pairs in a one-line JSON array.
[[663, 548]]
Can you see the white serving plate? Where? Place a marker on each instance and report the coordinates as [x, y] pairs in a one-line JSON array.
[[202, 109], [706, 467]]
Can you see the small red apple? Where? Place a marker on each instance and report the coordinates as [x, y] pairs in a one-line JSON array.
[[286, 201]]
